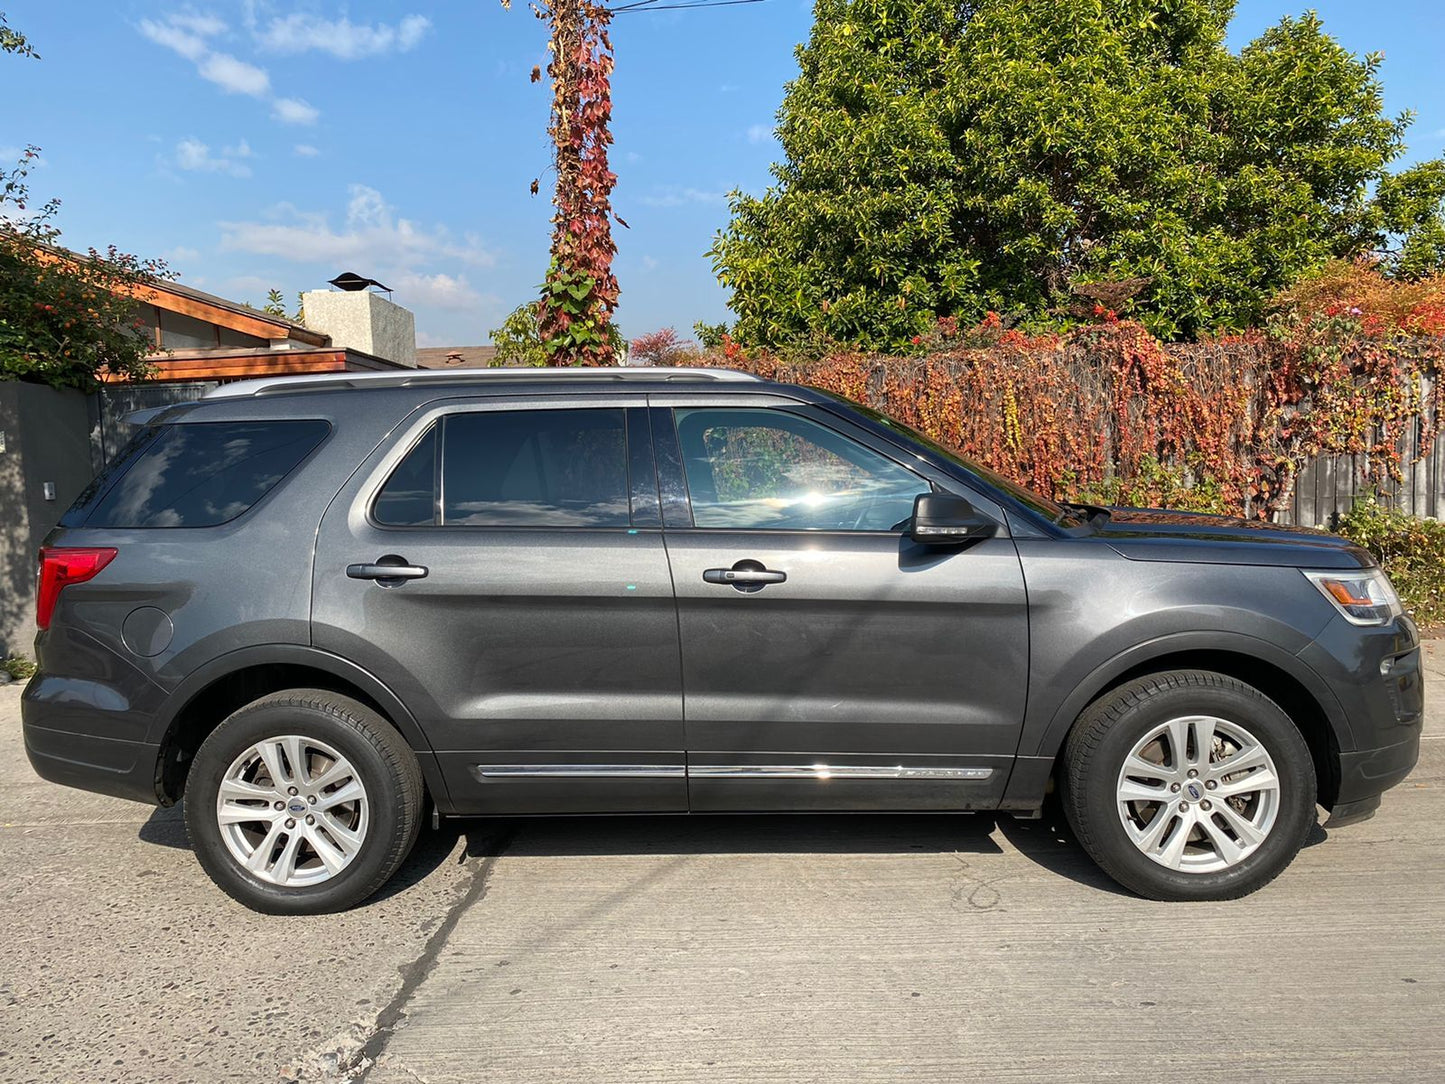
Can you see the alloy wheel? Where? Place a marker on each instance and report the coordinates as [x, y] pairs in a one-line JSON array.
[[292, 811], [1198, 794]]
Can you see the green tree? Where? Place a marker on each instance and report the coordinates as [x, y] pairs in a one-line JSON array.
[[1412, 212], [519, 340], [12, 41], [276, 306], [947, 158], [65, 318]]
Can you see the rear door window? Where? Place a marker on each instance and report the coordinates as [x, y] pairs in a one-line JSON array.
[[202, 474], [409, 498], [514, 468]]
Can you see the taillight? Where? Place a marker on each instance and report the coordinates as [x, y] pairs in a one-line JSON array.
[[61, 566]]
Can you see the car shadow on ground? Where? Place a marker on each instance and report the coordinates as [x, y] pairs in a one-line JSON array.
[[1048, 841], [167, 828]]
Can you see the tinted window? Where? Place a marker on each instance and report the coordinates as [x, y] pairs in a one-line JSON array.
[[204, 474], [775, 470], [535, 468], [409, 498], [1045, 506]]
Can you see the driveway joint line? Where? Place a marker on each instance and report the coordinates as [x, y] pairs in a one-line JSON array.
[[417, 972]]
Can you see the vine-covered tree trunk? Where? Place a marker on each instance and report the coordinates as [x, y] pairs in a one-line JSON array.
[[580, 294]]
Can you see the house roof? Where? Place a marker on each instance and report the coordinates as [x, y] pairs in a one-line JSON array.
[[189, 301], [232, 314], [291, 348], [455, 357]]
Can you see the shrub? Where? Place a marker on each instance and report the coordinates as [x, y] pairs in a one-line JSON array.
[[18, 667], [1383, 306], [711, 336], [661, 348], [1410, 549]]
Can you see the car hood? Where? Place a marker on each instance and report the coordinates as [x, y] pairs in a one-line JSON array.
[[1156, 534]]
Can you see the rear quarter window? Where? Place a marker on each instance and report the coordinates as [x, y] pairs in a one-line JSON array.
[[196, 475]]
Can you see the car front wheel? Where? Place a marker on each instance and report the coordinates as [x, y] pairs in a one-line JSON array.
[[303, 802], [1189, 785]]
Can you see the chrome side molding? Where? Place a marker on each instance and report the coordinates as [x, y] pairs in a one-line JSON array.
[[833, 771], [819, 772], [575, 771]]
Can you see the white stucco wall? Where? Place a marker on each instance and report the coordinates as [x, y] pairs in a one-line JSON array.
[[363, 321]]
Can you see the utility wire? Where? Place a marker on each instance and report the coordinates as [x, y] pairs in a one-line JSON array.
[[654, 5]]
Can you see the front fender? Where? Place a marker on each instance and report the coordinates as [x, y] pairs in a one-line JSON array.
[[1094, 615], [1052, 723]]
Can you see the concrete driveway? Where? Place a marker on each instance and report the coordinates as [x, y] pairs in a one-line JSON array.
[[754, 949]]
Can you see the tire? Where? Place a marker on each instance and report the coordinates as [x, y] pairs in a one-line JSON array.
[[1228, 829], [349, 816]]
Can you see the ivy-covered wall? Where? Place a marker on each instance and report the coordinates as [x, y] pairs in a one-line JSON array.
[[1107, 413]]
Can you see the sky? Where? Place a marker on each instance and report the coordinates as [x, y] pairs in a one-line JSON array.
[[276, 143]]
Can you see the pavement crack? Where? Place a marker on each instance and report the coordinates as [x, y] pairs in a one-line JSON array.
[[416, 972]]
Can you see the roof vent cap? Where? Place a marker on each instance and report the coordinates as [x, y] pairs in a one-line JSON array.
[[352, 282]]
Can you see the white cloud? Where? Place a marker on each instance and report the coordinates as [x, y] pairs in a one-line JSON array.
[[182, 34], [196, 157], [302, 32], [180, 254], [234, 76], [373, 238], [305, 150], [760, 133], [649, 263], [252, 288], [438, 291], [294, 111], [191, 36], [205, 26], [671, 196]]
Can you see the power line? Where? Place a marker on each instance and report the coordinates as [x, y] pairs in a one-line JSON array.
[[655, 5]]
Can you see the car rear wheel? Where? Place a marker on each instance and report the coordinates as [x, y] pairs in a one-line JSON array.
[[303, 802], [1189, 785]]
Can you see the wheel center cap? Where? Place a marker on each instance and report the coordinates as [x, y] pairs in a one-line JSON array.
[[1194, 789], [296, 807]]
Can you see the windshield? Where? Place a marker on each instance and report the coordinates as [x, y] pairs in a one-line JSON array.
[[1050, 509]]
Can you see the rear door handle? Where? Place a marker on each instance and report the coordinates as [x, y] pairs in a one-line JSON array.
[[386, 572], [744, 576]]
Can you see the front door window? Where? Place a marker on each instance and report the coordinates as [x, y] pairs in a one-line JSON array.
[[773, 470]]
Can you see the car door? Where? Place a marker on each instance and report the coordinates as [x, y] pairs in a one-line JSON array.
[[828, 661], [500, 565]]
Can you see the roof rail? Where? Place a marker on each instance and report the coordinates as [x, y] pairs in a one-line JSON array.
[[407, 378]]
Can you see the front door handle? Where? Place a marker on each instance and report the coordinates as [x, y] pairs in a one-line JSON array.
[[745, 576], [389, 568]]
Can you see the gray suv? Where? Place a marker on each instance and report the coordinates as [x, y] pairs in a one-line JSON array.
[[316, 608]]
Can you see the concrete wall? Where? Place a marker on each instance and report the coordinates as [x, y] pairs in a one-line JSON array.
[[365, 321], [46, 439]]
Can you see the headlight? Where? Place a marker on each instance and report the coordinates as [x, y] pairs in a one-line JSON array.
[[1365, 597]]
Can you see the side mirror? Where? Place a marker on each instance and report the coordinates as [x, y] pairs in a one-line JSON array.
[[941, 519]]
